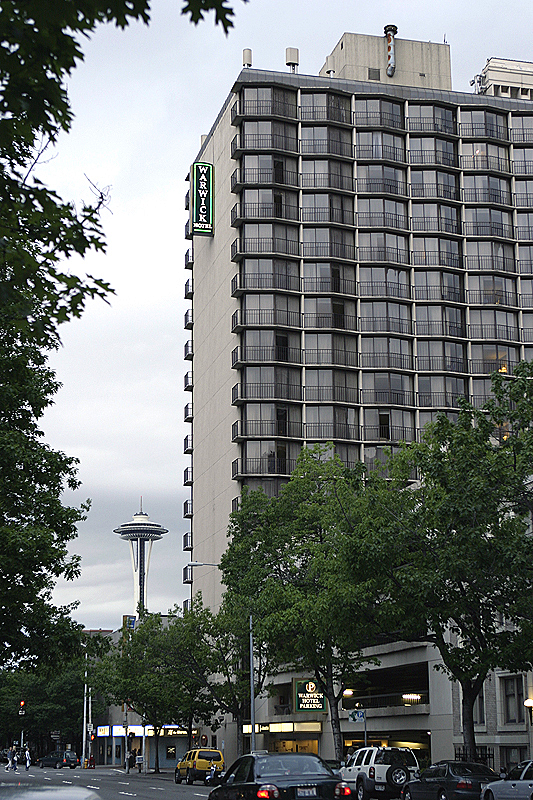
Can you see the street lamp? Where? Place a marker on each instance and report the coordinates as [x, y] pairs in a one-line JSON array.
[[529, 705]]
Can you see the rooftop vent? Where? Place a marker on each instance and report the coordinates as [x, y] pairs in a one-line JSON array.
[[292, 58], [247, 57]]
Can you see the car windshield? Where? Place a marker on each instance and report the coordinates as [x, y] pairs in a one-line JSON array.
[[395, 756], [276, 766], [516, 772], [474, 769]]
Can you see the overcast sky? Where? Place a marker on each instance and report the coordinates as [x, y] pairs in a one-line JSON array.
[[142, 98]]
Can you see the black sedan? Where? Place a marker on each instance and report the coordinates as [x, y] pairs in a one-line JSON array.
[[289, 776], [450, 780]]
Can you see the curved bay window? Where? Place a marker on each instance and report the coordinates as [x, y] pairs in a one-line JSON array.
[[326, 277], [434, 183], [271, 309], [438, 285], [492, 290], [331, 348], [271, 382], [331, 422], [493, 357], [439, 320], [433, 251], [331, 385], [381, 212], [441, 356], [324, 207], [440, 390], [267, 420], [382, 246], [386, 351], [380, 145], [378, 112], [432, 118], [387, 388], [381, 178], [490, 256], [328, 312], [486, 189], [435, 217], [267, 101], [484, 123], [384, 281], [325, 106], [269, 273], [321, 139], [380, 315], [488, 222], [433, 150], [485, 156]]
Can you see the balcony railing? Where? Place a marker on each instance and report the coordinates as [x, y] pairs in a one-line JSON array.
[[188, 291], [262, 466], [391, 360], [187, 382], [189, 260], [325, 113], [385, 186], [265, 280], [481, 130], [187, 444], [439, 293], [327, 180], [266, 391], [479, 366], [331, 394], [188, 319], [521, 135], [435, 224], [438, 399], [252, 353], [187, 413], [389, 433], [265, 244], [264, 211], [329, 355], [266, 429], [392, 324], [187, 541], [499, 263], [485, 162], [486, 229], [524, 232], [263, 108], [328, 250], [264, 141], [379, 119], [331, 320], [440, 190], [328, 215], [493, 196], [326, 146], [523, 200], [383, 220], [380, 152], [395, 254], [332, 430], [441, 364], [509, 332], [440, 328], [441, 157], [187, 476], [329, 285], [523, 167], [265, 175], [388, 397], [383, 289], [257, 317], [432, 125], [187, 509], [436, 257], [492, 297], [188, 350]]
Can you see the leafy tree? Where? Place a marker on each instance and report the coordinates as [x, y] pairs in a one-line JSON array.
[[283, 557], [448, 558]]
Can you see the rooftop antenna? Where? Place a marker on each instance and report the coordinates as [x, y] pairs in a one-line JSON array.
[[292, 58]]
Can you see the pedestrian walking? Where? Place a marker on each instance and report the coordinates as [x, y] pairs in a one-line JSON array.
[[15, 759], [27, 757], [9, 759]]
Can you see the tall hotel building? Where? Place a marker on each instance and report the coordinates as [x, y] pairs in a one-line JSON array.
[[361, 257]]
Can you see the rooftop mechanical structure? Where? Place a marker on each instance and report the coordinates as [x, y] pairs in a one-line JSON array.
[[139, 533]]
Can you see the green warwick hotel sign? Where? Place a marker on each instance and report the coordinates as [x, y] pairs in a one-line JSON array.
[[202, 222]]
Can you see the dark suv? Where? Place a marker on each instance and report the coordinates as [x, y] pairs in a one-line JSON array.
[[59, 759]]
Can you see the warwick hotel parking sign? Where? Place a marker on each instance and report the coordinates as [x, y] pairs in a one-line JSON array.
[[202, 199]]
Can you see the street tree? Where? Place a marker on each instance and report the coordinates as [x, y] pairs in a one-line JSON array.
[[283, 558], [448, 557]]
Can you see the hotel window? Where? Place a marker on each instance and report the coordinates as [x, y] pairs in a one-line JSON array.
[[513, 699], [479, 708]]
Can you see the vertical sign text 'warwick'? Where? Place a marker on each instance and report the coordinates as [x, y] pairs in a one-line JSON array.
[[202, 199]]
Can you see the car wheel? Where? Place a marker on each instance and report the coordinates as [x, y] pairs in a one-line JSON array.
[[361, 791], [489, 795], [397, 776], [188, 778], [177, 777]]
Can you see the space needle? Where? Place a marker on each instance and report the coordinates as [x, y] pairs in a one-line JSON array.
[[139, 532]]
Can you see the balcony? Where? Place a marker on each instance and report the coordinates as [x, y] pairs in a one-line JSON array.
[[508, 332], [188, 292], [481, 130], [386, 360], [425, 125], [187, 444], [484, 162], [265, 355], [265, 391], [327, 180], [262, 108], [523, 200], [488, 229], [480, 366], [491, 196], [449, 293], [332, 394], [388, 397], [270, 317], [385, 186], [264, 280], [380, 153], [327, 113], [187, 574], [187, 509], [187, 541], [188, 234], [384, 254], [438, 399], [440, 157], [383, 324], [262, 245], [526, 266], [188, 319], [327, 146], [250, 211], [332, 430], [522, 135], [389, 433], [187, 382], [329, 285], [328, 214], [378, 119], [524, 233], [441, 364], [265, 176], [492, 297], [328, 250], [187, 413], [331, 320], [268, 465], [440, 190], [189, 260], [440, 328], [263, 141], [436, 258], [187, 350], [491, 263], [187, 200], [328, 355], [265, 429], [435, 224], [187, 476], [383, 220]]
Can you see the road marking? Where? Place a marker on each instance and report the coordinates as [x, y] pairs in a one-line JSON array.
[[91, 787], [129, 794]]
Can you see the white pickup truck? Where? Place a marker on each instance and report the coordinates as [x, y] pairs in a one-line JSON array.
[[379, 771]]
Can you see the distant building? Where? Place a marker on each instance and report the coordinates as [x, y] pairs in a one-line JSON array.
[[361, 258]]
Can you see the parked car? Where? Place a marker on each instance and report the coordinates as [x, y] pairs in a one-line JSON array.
[[272, 775], [196, 765], [379, 771], [518, 784], [449, 780], [59, 759]]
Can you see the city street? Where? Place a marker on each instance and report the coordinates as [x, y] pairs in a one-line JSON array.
[[107, 783]]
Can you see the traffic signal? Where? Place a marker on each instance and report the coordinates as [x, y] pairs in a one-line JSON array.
[[22, 703], [92, 737]]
